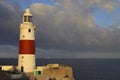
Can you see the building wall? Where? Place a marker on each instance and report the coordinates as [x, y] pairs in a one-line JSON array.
[[55, 72], [7, 68]]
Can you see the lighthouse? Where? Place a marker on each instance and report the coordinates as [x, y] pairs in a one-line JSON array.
[[26, 60]]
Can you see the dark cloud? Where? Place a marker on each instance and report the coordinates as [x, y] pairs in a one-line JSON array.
[[9, 22]]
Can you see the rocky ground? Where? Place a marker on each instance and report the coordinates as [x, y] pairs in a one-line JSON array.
[[6, 76]]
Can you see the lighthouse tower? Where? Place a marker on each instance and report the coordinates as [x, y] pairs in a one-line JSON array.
[[26, 60]]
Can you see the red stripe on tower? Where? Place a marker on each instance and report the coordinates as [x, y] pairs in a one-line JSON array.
[[27, 47]]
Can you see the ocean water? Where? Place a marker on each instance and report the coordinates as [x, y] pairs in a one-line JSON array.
[[83, 69]]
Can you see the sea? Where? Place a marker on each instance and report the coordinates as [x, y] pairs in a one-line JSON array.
[[83, 69]]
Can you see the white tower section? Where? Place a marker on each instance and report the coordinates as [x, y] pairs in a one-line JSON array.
[[26, 61], [27, 28]]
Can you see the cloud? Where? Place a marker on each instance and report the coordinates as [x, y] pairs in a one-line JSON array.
[[66, 29], [8, 51], [59, 26], [87, 4], [108, 5], [70, 25]]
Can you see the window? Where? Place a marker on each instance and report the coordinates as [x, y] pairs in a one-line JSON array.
[[22, 57], [50, 78], [39, 72], [54, 78], [29, 18], [66, 76], [25, 18], [23, 36], [29, 30]]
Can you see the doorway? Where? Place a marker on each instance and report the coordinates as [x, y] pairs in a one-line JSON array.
[[22, 69]]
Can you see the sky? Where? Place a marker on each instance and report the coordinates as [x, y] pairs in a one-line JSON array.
[[64, 28]]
